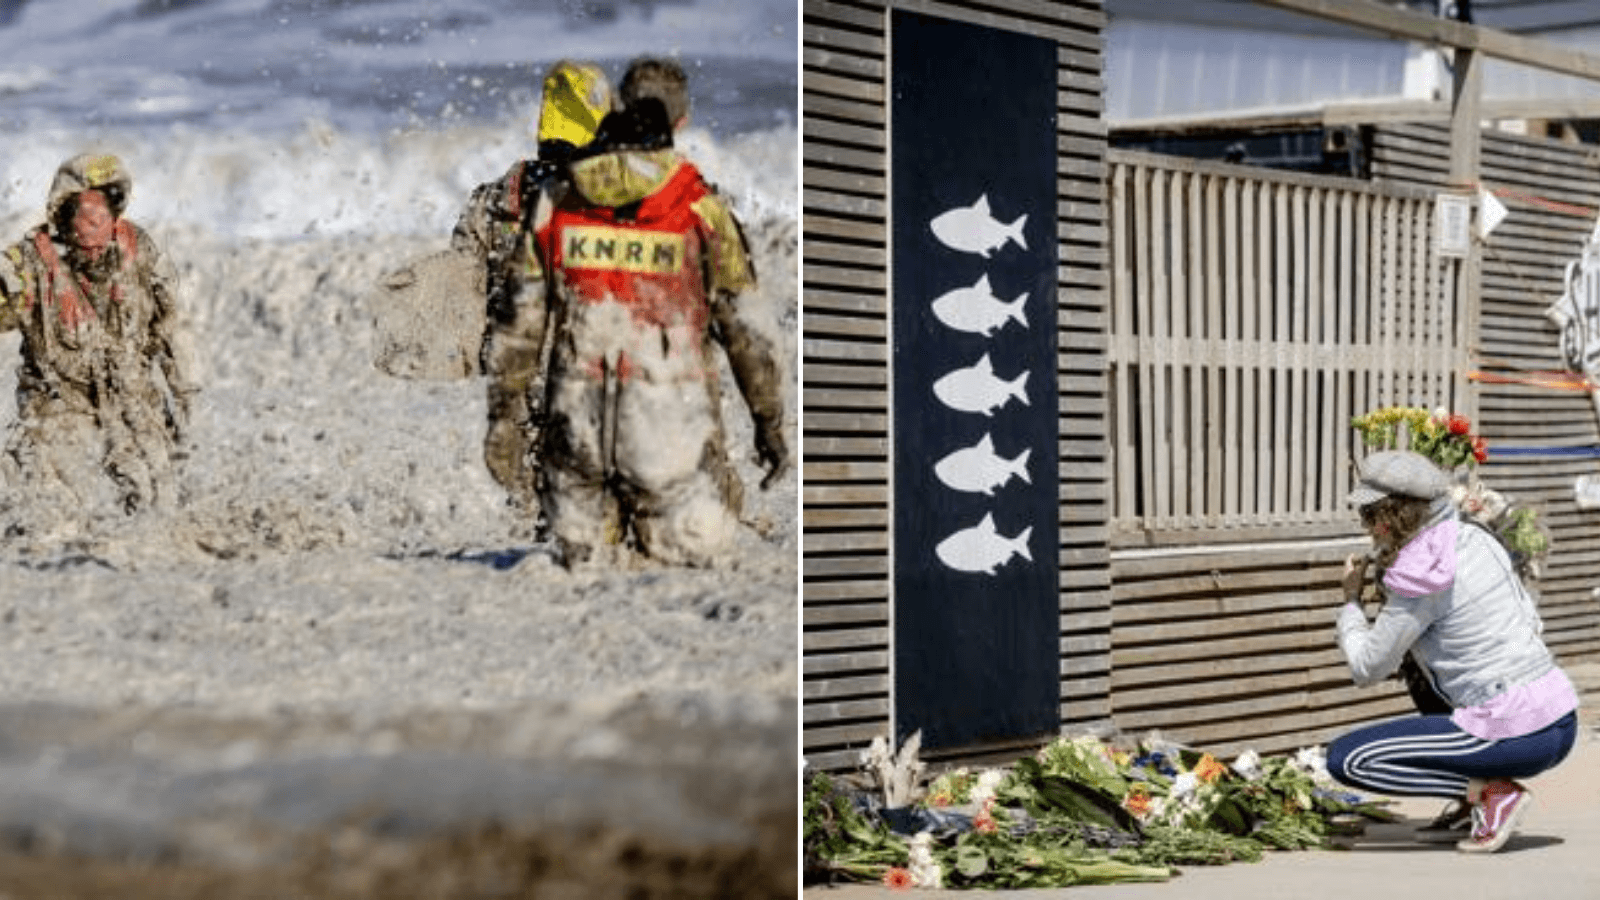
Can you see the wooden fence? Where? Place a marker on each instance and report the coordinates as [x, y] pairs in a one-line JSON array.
[[1253, 314]]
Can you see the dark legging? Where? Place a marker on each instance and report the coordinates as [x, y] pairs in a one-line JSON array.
[[1428, 756]]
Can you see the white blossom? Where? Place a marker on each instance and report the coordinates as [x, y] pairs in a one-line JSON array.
[[1248, 764], [925, 873], [988, 782], [1313, 762]]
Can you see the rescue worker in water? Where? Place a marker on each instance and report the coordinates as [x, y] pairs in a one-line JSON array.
[[491, 230], [106, 381], [632, 274]]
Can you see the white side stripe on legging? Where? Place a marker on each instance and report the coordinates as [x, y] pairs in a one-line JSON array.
[[1380, 764]]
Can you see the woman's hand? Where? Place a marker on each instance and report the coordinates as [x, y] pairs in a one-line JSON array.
[[1355, 576]]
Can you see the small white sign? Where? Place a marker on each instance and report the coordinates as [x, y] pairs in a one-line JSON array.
[[1452, 220], [1491, 212]]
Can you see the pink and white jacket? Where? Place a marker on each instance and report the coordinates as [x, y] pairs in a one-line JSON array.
[[1454, 600]]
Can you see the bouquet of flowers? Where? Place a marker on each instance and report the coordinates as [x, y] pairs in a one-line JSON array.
[[1440, 436], [1447, 439]]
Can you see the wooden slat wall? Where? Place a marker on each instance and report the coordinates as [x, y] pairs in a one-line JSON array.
[[1253, 314], [1552, 190], [1232, 648], [845, 542]]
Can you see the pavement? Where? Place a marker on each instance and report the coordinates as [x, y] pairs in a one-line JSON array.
[[1554, 856]]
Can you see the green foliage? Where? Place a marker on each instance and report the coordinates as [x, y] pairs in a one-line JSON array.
[[1048, 796], [1521, 532], [840, 842], [1044, 859], [1080, 812], [1193, 847]]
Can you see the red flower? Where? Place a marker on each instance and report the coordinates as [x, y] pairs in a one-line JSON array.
[[898, 879], [1460, 425], [1480, 450]]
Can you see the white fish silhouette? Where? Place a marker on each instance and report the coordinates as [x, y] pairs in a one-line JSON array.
[[981, 548], [977, 310], [976, 389], [979, 470], [973, 229]]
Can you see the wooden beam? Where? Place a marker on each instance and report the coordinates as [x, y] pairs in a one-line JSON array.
[[1465, 119], [1380, 112], [1466, 155], [1448, 32]]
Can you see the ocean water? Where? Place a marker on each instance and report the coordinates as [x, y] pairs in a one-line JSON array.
[[291, 118]]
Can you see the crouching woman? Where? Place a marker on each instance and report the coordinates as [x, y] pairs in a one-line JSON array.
[[1452, 598]]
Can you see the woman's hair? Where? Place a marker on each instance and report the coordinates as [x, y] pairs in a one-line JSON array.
[[1404, 517]]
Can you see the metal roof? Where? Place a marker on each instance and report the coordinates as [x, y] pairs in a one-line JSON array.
[[1228, 58], [1531, 17]]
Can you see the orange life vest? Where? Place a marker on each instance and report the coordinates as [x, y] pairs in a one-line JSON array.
[[648, 256], [62, 288]]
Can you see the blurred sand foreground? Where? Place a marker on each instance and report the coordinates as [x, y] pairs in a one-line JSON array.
[[341, 669]]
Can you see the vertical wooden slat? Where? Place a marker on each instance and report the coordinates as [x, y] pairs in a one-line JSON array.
[[1144, 179], [1261, 420], [1306, 338], [1417, 242], [1292, 303], [1351, 272], [1177, 364], [1214, 461], [1160, 445], [1122, 284], [1252, 237], [1228, 330], [1252, 318], [1388, 365], [1196, 443], [1330, 410]]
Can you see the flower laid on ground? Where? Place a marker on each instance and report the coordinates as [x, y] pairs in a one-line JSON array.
[[953, 788], [984, 822], [925, 870], [1314, 762], [1079, 811], [1138, 800], [984, 787], [1208, 769], [1441, 436], [1248, 764]]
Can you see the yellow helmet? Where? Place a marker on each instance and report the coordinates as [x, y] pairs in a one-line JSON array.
[[576, 97]]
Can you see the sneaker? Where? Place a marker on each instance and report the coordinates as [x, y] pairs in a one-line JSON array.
[[1451, 825], [1495, 816]]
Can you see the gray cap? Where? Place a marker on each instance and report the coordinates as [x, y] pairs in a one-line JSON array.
[[1398, 472]]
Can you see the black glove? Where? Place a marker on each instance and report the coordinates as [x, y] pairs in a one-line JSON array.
[[772, 452]]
